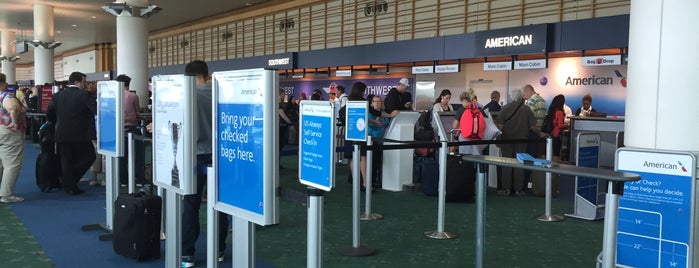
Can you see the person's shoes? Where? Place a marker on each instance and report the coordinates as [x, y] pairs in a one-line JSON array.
[[221, 257], [11, 199], [188, 261], [520, 193], [504, 192], [75, 191], [103, 183], [94, 182]]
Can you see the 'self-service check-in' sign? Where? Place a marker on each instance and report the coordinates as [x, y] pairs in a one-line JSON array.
[[656, 213], [317, 145], [174, 135], [110, 123], [246, 144], [356, 128]]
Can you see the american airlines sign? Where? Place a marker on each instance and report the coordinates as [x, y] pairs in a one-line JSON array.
[[511, 41]]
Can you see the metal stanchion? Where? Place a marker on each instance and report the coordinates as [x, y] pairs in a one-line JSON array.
[[440, 233], [611, 216], [480, 214], [356, 250], [547, 207], [314, 254], [131, 158], [212, 223], [368, 216]]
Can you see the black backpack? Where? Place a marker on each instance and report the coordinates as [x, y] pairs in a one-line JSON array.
[[547, 125], [423, 127], [341, 114]]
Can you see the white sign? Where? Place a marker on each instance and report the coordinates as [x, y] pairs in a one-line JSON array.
[[451, 68], [601, 60], [530, 64], [497, 66], [275, 62], [343, 73], [423, 69]]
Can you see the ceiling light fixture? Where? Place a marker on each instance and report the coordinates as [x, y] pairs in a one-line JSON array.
[[11, 59], [122, 8], [46, 45]]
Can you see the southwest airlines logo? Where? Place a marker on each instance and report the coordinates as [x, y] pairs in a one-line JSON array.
[[662, 165]]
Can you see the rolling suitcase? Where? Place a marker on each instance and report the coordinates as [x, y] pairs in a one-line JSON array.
[[48, 164], [461, 179], [136, 227], [428, 170]]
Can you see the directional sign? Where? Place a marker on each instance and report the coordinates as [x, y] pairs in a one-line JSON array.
[[317, 145]]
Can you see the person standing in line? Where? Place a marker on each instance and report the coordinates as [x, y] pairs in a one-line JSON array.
[[396, 98], [515, 121], [556, 109], [131, 105], [538, 106], [284, 123], [12, 126], [73, 111], [441, 103], [190, 216], [494, 104]]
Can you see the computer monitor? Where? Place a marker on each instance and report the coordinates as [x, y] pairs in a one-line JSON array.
[[598, 114], [456, 106]]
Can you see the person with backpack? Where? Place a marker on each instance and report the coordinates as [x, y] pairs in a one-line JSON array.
[[469, 122]]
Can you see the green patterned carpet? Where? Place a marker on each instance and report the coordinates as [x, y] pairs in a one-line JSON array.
[[514, 238]]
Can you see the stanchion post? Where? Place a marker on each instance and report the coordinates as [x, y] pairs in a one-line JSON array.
[[212, 223], [611, 216], [480, 214], [314, 254], [440, 233], [356, 250], [368, 216], [547, 203], [173, 245], [130, 157]]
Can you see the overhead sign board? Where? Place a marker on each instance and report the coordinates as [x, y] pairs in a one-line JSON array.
[[656, 214], [110, 120], [601, 60], [423, 69], [245, 147], [530, 64], [497, 66], [343, 73], [511, 41], [449, 68], [317, 145]]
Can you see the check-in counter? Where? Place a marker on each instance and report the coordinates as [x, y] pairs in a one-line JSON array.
[[611, 132]]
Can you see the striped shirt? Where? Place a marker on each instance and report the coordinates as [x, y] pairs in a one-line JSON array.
[[538, 105]]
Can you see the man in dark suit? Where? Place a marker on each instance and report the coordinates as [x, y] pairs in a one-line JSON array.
[[73, 111]]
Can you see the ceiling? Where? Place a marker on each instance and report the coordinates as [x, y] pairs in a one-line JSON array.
[[79, 23]]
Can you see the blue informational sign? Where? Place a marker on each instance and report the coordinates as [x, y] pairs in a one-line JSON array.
[[246, 144], [656, 213], [110, 126], [588, 156], [317, 145], [356, 128]]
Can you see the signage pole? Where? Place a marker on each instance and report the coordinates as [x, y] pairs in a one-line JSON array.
[[173, 244], [440, 233], [547, 207], [211, 223], [368, 216], [611, 215], [480, 214], [243, 243], [314, 253], [356, 250]]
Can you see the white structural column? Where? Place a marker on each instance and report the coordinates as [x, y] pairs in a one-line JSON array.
[[132, 43], [8, 56], [43, 37], [661, 108]]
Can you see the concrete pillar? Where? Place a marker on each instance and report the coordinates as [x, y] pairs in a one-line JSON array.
[[43, 35], [661, 99], [132, 45], [8, 56]]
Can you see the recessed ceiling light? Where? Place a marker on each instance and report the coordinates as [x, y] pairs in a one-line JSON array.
[[248, 4], [74, 25], [94, 17], [58, 32]]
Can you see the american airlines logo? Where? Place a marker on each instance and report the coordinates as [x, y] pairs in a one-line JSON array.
[[663, 165]]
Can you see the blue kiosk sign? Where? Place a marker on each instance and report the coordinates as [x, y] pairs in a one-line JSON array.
[[317, 145], [656, 214], [245, 144], [110, 124], [356, 128]]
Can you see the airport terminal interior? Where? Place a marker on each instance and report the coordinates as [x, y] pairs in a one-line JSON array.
[[291, 50]]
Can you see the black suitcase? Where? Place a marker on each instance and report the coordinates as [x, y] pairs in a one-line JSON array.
[[136, 227], [461, 178], [47, 172], [428, 170]]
